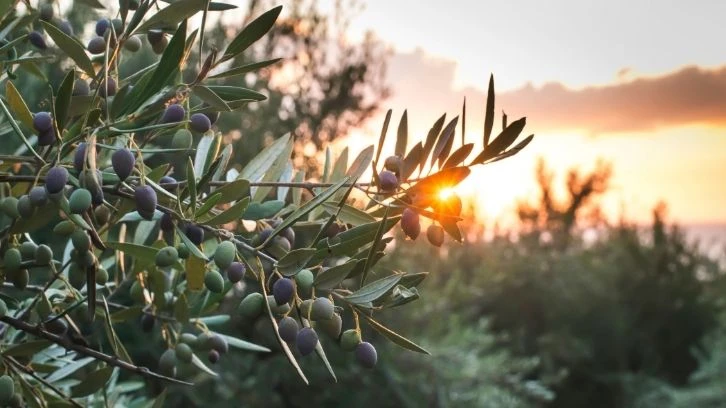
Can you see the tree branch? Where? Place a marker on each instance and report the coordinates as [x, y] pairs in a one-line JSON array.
[[69, 345], [31, 373]]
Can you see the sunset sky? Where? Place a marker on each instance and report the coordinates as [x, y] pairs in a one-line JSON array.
[[641, 84]]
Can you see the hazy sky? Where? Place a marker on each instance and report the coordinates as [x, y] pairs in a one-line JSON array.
[[641, 84]]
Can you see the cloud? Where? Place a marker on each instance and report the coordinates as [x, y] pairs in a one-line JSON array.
[[690, 95]]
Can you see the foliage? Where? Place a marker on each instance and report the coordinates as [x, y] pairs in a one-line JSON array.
[[114, 271]]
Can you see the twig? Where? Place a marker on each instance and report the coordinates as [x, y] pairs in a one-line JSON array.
[[69, 345]]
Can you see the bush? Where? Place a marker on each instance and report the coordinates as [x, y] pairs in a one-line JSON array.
[[131, 274]]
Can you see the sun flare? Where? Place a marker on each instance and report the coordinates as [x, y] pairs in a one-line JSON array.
[[445, 193]]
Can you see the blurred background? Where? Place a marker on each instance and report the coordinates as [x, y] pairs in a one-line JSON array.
[[592, 272]]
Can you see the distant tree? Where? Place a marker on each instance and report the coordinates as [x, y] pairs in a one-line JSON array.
[[324, 85]]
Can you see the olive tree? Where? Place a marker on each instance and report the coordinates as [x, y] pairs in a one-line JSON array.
[[94, 238]]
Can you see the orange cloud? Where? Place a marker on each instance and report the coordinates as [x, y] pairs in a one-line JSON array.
[[691, 95]]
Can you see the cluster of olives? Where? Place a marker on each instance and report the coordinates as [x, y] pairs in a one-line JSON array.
[[281, 244], [8, 396], [320, 312], [46, 13], [213, 344]]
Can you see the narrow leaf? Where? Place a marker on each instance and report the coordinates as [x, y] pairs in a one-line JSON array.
[[251, 33], [402, 136], [393, 336], [443, 145], [489, 114], [74, 49], [373, 290], [331, 277], [458, 156], [431, 138], [233, 213], [243, 69], [295, 260]]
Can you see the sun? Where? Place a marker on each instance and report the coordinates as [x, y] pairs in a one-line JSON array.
[[445, 193]]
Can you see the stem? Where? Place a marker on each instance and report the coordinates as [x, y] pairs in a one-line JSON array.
[[86, 351]]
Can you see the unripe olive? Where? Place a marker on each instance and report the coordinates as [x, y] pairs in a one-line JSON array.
[[182, 139], [81, 241], [224, 254], [42, 121], [251, 306], [64, 228], [3, 308], [102, 214], [10, 207], [91, 181], [43, 255], [37, 40], [202, 342], [387, 181], [145, 198], [214, 281], [349, 340], [322, 309], [277, 309], [58, 327], [287, 327], [393, 163], [283, 290], [80, 201], [195, 233], [27, 250], [332, 327], [366, 354], [123, 162], [133, 43], [7, 389], [304, 280], [167, 363], [183, 251], [56, 179], [435, 234], [101, 26], [25, 207], [81, 88], [173, 113], [38, 196], [76, 275], [306, 307], [101, 276], [166, 256], [306, 340], [46, 12], [236, 271], [213, 356], [12, 260], [147, 322], [200, 123], [216, 342], [96, 46], [184, 352], [410, 223]]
